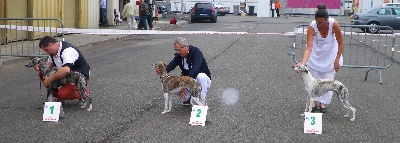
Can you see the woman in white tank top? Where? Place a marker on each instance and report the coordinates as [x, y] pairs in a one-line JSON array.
[[323, 53]]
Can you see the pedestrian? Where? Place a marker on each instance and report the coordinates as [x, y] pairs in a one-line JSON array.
[[103, 13], [277, 7], [192, 63], [144, 14], [65, 58], [117, 16], [129, 13], [173, 21], [150, 17], [323, 53]]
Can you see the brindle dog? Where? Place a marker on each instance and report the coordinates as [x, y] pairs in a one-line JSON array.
[[173, 84], [318, 87], [74, 77]]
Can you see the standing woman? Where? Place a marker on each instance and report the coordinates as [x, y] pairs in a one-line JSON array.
[[323, 53]]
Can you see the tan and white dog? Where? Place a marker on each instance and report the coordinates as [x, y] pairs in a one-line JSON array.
[[173, 84], [318, 87]]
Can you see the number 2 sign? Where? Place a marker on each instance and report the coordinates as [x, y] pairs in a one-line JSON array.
[[198, 115]]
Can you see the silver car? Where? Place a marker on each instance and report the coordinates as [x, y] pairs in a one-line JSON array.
[[221, 8], [380, 16]]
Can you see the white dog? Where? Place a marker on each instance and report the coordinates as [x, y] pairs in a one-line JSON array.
[[318, 87], [173, 84]]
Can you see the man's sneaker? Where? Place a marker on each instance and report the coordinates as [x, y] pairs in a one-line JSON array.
[[203, 102], [187, 102], [81, 102], [199, 101]]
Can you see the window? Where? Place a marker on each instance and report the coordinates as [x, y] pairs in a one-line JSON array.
[[397, 10], [385, 11]]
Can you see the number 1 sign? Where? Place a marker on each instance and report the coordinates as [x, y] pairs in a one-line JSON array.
[[313, 123], [198, 115], [52, 111]]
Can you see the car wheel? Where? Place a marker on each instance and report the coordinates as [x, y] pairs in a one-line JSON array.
[[222, 14], [214, 20], [192, 20], [372, 29]]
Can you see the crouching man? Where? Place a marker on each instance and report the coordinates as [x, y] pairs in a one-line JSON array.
[[65, 58], [192, 63]]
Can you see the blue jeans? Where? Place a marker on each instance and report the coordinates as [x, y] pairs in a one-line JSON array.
[[103, 17], [143, 22]]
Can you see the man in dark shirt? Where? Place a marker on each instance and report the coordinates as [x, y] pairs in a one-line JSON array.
[[192, 63]]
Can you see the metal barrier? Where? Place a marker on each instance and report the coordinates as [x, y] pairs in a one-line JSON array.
[[18, 35], [362, 50]]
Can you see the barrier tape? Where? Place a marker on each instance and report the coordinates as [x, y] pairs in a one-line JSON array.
[[138, 32]]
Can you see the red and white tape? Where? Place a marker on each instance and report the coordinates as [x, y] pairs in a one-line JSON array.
[[138, 32]]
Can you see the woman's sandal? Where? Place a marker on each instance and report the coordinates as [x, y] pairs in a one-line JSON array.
[[314, 109], [322, 110]]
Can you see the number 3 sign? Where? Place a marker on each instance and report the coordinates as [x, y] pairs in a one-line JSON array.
[[313, 123], [52, 111], [198, 115]]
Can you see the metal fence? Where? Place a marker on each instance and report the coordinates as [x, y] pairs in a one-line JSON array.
[[18, 36], [362, 49]]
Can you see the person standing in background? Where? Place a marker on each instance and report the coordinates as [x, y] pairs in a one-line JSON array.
[[129, 13], [277, 7], [103, 13], [150, 17], [144, 14]]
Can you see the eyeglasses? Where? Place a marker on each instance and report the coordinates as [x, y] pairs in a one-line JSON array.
[[179, 49]]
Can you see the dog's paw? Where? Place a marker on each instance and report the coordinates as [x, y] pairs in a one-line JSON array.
[[84, 105], [90, 107], [301, 114], [352, 119], [346, 115]]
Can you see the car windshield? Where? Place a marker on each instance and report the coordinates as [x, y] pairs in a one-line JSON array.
[[203, 5]]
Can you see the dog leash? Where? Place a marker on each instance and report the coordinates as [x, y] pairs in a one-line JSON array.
[[40, 88]]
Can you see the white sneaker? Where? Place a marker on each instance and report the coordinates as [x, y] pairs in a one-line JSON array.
[[199, 101]]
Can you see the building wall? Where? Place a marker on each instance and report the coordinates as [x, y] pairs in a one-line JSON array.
[[2, 8], [10, 11], [70, 13], [93, 14], [2, 15], [45, 9]]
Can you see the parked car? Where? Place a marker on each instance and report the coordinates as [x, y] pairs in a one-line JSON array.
[[221, 8], [380, 16], [161, 8], [203, 11]]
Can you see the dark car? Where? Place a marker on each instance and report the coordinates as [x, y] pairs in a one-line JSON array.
[[203, 11], [380, 16]]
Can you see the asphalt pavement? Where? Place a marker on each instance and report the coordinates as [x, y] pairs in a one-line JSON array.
[[255, 95]]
